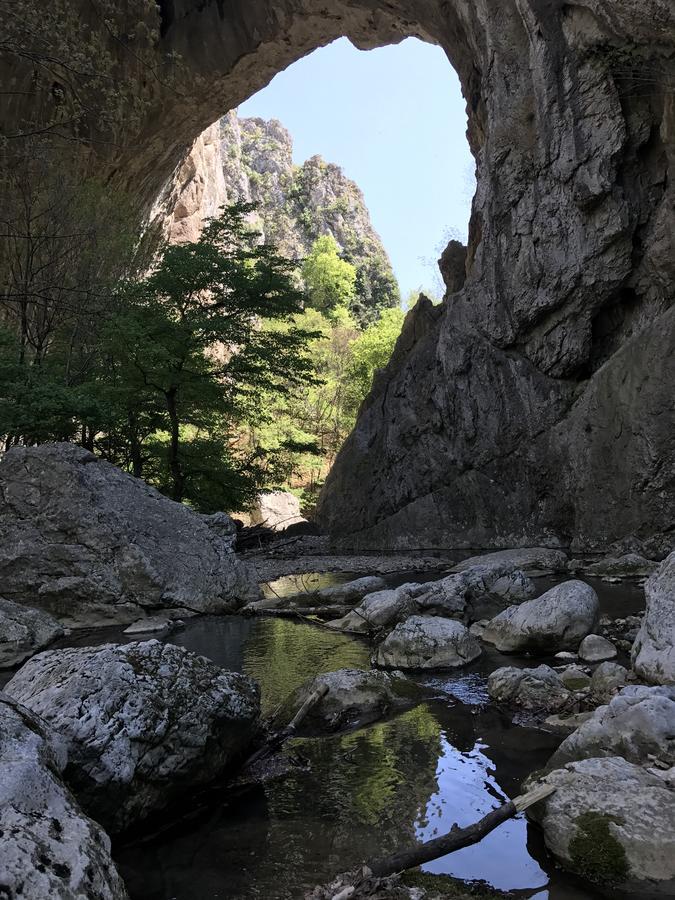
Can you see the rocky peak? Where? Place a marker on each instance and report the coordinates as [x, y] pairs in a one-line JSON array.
[[251, 160]]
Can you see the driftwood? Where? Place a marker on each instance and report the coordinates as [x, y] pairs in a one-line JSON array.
[[294, 612], [280, 737], [457, 838]]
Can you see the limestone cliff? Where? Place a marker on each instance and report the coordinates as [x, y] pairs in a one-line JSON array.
[[251, 160]]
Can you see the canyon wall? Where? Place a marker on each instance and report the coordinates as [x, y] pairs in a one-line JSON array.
[[537, 403], [250, 160]]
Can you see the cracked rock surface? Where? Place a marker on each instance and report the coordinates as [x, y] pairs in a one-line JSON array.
[[143, 722], [48, 848]]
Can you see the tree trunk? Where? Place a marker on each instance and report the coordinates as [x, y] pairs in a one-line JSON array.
[[177, 475]]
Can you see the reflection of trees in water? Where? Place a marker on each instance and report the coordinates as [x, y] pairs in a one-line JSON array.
[[281, 655], [362, 795]]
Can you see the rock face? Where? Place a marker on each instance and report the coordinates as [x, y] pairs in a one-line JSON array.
[[424, 642], [540, 688], [528, 409], [276, 510], [613, 823], [142, 722], [251, 160], [24, 631], [355, 697], [558, 620], [49, 848], [653, 652], [638, 723], [77, 533]]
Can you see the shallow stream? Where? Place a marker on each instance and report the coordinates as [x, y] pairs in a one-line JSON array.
[[450, 759]]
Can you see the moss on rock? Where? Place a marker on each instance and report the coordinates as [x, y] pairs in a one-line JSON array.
[[595, 852]]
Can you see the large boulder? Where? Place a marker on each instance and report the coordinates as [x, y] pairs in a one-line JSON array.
[[143, 722], [535, 689], [351, 590], [629, 565], [48, 847], [379, 610], [613, 823], [276, 510], [558, 620], [355, 697], [76, 533], [653, 652], [532, 560], [638, 723], [24, 631], [427, 642]]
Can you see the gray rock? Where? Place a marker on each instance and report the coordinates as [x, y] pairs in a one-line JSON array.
[[276, 510], [143, 722], [574, 678], [557, 620], [529, 559], [567, 723], [613, 823], [476, 592], [425, 642], [636, 724], [595, 648], [352, 590], [49, 848], [653, 652], [355, 697], [535, 689], [607, 680], [76, 532], [629, 565], [150, 625], [24, 631], [378, 610]]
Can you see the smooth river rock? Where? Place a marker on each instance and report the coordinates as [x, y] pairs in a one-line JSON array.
[[629, 565], [49, 849], [24, 631], [595, 648], [607, 680], [276, 510], [76, 533], [476, 592], [351, 590], [143, 722], [638, 723], [535, 689], [653, 652], [558, 620], [427, 642], [379, 610], [355, 697], [613, 824]]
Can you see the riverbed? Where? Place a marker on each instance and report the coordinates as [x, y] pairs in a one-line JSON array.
[[353, 796]]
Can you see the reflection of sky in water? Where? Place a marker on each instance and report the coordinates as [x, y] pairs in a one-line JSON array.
[[467, 791]]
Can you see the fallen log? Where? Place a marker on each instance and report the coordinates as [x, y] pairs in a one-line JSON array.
[[322, 612], [457, 838], [280, 737]]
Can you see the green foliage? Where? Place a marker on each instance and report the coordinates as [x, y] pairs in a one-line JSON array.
[[329, 280], [369, 352], [183, 357], [595, 852]]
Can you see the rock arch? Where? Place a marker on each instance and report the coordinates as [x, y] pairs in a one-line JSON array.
[[536, 404]]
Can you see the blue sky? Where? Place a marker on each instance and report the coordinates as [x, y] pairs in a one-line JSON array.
[[394, 119]]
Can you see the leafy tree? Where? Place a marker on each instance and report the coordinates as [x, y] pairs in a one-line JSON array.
[[330, 281], [369, 352], [188, 347]]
